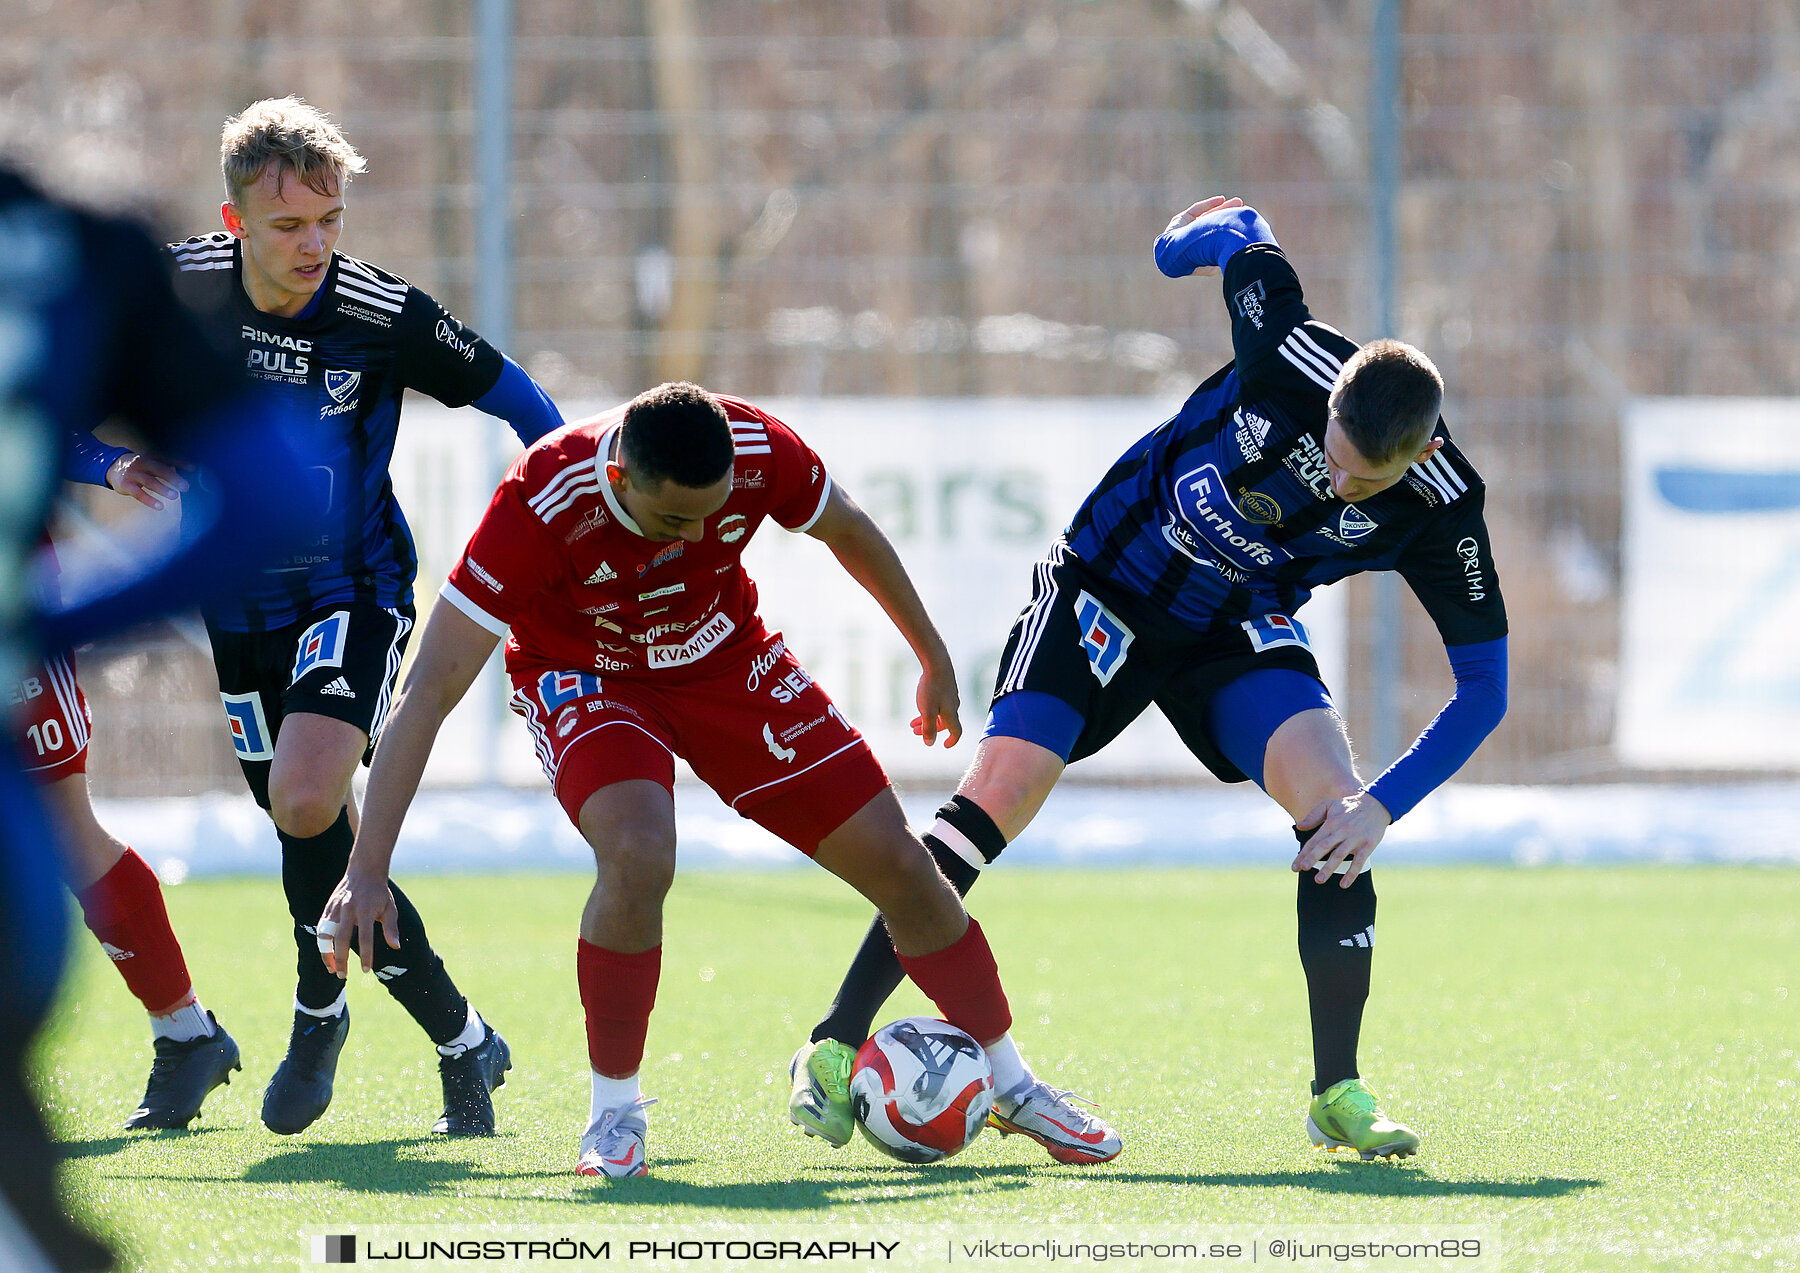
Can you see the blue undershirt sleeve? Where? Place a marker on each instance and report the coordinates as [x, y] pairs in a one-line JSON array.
[[1452, 737], [1210, 240], [518, 399], [87, 458]]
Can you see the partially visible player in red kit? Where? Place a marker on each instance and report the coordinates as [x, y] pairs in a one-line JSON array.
[[120, 897], [612, 552]]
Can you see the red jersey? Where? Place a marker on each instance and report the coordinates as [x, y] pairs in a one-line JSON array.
[[559, 560]]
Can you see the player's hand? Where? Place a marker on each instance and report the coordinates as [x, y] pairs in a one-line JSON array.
[[357, 905], [146, 480], [1349, 829], [938, 702], [1195, 212]]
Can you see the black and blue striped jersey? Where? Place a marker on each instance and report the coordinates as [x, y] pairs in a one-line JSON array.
[[347, 359], [1226, 512]]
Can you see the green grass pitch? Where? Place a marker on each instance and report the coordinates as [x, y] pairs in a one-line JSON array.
[[1603, 1063]]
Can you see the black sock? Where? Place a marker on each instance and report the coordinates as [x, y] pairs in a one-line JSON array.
[[414, 975], [1337, 946], [875, 971]]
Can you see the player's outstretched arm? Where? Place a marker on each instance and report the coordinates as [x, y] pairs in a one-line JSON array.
[[870, 559], [452, 651]]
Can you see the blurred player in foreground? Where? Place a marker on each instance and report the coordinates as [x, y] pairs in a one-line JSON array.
[[612, 550], [1302, 462], [308, 657], [90, 330], [120, 897]]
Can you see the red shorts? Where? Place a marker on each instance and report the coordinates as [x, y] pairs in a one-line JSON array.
[[755, 728], [50, 720]]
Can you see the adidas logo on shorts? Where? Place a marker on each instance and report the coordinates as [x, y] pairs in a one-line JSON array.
[[339, 688], [603, 575]]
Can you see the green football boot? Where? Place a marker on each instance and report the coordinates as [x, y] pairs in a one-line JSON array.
[[1345, 1116], [819, 1099]]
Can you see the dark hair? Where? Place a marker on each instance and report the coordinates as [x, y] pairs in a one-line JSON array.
[[676, 432], [1387, 398]]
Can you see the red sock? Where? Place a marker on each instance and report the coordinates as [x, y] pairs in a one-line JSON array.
[[964, 983], [124, 909], [617, 993]]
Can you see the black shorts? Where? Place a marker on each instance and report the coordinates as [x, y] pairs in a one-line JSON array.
[[339, 661], [1107, 653]]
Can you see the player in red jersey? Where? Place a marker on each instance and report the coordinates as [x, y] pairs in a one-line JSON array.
[[612, 552], [120, 897]]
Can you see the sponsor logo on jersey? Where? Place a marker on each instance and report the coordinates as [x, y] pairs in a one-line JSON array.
[[669, 591], [115, 954], [447, 335], [662, 558], [713, 631], [1307, 462], [1423, 488], [1103, 635], [1259, 508], [321, 645], [359, 311], [249, 731], [260, 337], [605, 574], [278, 364], [1354, 524], [607, 663], [1251, 432], [1470, 553], [1200, 499], [791, 686], [732, 528], [657, 631], [475, 568], [764, 663], [591, 521], [747, 480], [339, 688], [342, 385], [608, 624], [784, 754], [1274, 630], [1249, 303], [607, 608]]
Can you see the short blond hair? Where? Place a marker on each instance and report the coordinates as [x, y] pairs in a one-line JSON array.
[[292, 135]]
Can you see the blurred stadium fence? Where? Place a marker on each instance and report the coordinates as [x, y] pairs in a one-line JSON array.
[[815, 201]]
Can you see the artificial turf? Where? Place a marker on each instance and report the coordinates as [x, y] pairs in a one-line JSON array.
[[1603, 1063]]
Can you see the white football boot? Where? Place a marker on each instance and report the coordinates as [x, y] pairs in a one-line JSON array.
[[613, 1144], [1051, 1117]]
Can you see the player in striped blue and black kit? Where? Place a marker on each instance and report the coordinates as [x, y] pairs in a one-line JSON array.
[[308, 659], [1303, 461]]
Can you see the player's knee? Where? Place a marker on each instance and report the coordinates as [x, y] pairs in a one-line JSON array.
[[635, 859], [304, 810]]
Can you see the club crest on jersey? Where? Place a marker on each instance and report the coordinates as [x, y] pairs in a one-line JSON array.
[[321, 645], [1355, 524], [1259, 508], [732, 528], [249, 730], [1103, 635], [1272, 631], [342, 385]]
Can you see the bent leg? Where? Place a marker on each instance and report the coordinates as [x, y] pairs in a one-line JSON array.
[[122, 904], [1005, 786], [1307, 762], [630, 826]]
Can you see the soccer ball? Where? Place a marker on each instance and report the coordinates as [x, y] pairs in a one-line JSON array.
[[921, 1089]]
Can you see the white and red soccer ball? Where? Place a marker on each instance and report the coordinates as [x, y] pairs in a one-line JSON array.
[[921, 1089]]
